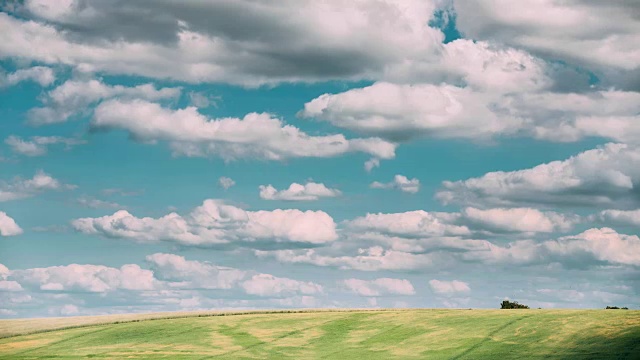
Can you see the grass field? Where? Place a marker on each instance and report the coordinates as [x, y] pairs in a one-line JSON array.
[[402, 334]]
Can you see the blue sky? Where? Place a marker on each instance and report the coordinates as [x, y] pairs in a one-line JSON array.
[[373, 154]]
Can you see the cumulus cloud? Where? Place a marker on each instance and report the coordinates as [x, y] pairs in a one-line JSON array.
[[399, 182], [269, 285], [24, 188], [190, 274], [41, 75], [256, 135], [555, 28], [74, 97], [413, 224], [519, 220], [8, 226], [90, 278], [216, 223], [298, 192], [38, 145], [402, 112], [374, 258], [193, 274], [226, 182], [449, 287], [6, 285], [599, 177], [197, 42], [619, 217], [379, 287]]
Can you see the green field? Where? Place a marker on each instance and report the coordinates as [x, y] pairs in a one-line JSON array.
[[386, 334]]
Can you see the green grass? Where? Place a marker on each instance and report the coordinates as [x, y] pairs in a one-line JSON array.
[[402, 334]]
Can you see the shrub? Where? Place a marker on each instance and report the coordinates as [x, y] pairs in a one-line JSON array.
[[616, 308], [512, 305]]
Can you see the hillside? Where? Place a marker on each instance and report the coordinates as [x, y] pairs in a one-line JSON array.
[[384, 334]]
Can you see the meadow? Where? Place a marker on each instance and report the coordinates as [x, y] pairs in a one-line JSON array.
[[354, 334]]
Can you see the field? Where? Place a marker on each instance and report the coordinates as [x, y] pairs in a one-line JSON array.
[[383, 334]]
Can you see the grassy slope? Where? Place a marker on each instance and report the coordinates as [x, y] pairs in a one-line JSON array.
[[432, 334]]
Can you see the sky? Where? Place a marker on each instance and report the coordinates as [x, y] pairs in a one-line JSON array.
[[164, 156]]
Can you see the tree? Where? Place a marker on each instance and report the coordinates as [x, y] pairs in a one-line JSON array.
[[512, 305]]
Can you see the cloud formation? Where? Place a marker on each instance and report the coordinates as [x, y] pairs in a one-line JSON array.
[[24, 188], [256, 135], [38, 145], [400, 182], [599, 177], [379, 287], [297, 192], [8, 226], [215, 222], [41, 75]]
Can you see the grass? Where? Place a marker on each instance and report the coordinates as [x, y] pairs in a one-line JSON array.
[[387, 334]]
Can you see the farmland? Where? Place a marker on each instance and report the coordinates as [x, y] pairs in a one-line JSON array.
[[368, 334]]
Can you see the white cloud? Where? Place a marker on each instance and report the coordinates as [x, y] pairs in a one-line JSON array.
[[216, 223], [519, 220], [226, 182], [620, 217], [603, 244], [411, 224], [599, 177], [449, 287], [256, 135], [38, 145], [368, 259], [379, 287], [555, 28], [269, 285], [76, 96], [7, 285], [297, 192], [194, 274], [201, 42], [42, 75], [371, 164], [94, 203], [19, 188], [401, 112], [8, 226], [399, 182], [91, 278]]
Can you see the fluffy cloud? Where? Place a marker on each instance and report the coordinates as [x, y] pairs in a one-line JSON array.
[[216, 223], [38, 145], [194, 274], [91, 278], [297, 192], [42, 75], [399, 182], [190, 274], [23, 188], [76, 96], [6, 285], [620, 217], [197, 42], [226, 182], [519, 220], [379, 287], [449, 287], [556, 28], [8, 226], [368, 259], [402, 112], [412, 224], [269, 285], [256, 135], [599, 177]]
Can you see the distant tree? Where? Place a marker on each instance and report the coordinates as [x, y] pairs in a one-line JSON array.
[[512, 305], [617, 308]]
